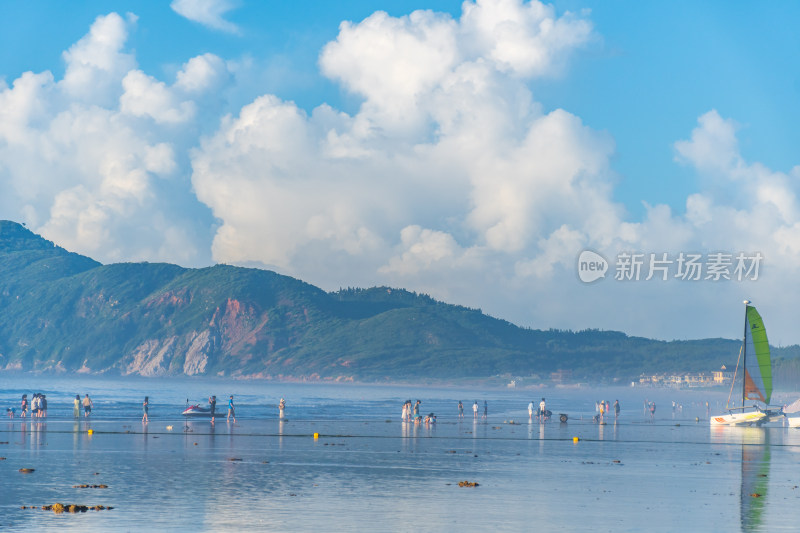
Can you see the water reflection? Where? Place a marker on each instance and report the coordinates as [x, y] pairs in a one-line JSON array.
[[755, 472], [755, 459]]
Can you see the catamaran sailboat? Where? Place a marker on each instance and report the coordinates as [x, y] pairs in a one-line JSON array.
[[756, 377]]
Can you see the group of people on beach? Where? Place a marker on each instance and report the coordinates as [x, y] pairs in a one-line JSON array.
[[541, 414], [603, 408], [37, 406], [475, 409], [411, 414], [212, 402]]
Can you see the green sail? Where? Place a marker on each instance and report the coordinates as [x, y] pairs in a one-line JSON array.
[[758, 369]]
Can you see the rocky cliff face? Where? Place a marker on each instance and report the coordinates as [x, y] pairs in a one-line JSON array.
[[230, 338]]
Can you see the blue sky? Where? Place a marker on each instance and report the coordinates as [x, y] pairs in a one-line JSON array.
[[462, 152]]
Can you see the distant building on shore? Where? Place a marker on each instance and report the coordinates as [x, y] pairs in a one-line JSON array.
[[687, 379]]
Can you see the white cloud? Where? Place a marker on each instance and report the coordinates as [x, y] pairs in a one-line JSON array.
[[527, 39], [92, 160], [96, 63], [206, 72], [449, 178], [421, 248], [146, 96], [209, 13]]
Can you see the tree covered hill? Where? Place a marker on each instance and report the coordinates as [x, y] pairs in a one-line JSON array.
[[63, 312]]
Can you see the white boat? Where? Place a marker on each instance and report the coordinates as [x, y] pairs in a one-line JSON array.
[[195, 411], [756, 377]]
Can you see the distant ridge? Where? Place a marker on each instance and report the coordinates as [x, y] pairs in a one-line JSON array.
[[64, 312]]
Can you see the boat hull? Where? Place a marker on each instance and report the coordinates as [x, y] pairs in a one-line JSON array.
[[794, 421], [198, 412], [739, 419]]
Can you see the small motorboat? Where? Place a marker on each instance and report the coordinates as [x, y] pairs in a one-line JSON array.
[[195, 411]]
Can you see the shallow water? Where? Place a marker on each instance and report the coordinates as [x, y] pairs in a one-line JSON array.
[[369, 471]]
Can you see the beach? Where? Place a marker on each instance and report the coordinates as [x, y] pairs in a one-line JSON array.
[[369, 471]]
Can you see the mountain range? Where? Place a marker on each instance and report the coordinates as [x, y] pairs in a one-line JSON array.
[[64, 312]]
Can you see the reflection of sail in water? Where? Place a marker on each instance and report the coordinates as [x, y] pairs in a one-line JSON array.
[[754, 442], [755, 471]]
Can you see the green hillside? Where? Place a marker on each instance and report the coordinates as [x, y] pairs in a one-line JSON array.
[[62, 312]]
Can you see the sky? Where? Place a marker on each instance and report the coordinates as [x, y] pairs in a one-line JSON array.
[[536, 161]]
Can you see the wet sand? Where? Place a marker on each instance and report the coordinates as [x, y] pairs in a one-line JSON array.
[[369, 475]]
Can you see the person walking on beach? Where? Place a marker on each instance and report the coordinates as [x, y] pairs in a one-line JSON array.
[[542, 409], [76, 406], [602, 409], [87, 406], [485, 409], [416, 409], [652, 411], [460, 409], [231, 409], [475, 409], [24, 406], [145, 408], [281, 408], [616, 408], [530, 410], [212, 401]]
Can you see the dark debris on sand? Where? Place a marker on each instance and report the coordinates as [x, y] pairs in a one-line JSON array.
[[59, 508]]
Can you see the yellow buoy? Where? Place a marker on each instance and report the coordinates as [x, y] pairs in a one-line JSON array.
[[575, 439], [91, 431], [316, 435]]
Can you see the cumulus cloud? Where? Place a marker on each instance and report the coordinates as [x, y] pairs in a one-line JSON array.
[[96, 62], [92, 161], [449, 177], [209, 13], [146, 96], [448, 141]]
